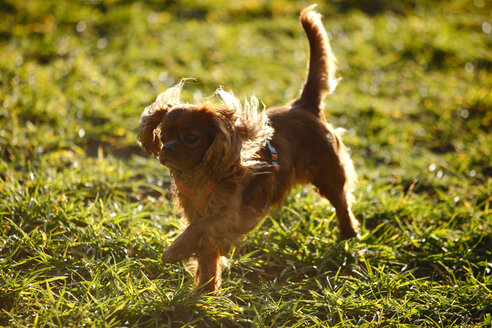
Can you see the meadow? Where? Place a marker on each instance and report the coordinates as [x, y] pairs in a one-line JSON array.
[[85, 214]]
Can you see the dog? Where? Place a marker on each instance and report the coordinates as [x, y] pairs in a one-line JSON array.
[[230, 162]]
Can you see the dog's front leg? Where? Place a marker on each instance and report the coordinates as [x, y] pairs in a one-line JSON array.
[[195, 241], [209, 271], [192, 242]]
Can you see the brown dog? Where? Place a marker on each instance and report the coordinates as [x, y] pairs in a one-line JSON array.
[[230, 163]]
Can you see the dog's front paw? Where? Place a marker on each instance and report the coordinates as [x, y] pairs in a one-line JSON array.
[[179, 250], [187, 245], [169, 256]]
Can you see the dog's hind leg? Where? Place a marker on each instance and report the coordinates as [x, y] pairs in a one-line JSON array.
[[334, 183]]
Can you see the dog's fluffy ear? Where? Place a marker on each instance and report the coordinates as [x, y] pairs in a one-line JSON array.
[[252, 124], [225, 149], [148, 131], [152, 117]]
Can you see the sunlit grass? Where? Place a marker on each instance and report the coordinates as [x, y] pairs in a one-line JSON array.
[[85, 215]]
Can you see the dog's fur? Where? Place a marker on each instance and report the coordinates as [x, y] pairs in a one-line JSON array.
[[224, 176]]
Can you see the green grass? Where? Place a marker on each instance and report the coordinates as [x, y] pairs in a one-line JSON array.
[[85, 215]]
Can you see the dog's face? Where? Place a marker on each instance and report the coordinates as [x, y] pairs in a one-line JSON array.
[[189, 138], [201, 139], [186, 134]]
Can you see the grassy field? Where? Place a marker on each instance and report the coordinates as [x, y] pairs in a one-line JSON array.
[[85, 215]]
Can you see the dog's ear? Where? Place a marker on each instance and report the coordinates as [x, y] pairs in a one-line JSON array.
[[225, 149], [149, 129], [252, 125], [153, 115]]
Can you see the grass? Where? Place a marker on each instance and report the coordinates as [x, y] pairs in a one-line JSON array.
[[84, 214]]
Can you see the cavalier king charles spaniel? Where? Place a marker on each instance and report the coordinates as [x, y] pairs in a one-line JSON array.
[[230, 162]]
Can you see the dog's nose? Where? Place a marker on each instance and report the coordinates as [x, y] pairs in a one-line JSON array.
[[169, 148]]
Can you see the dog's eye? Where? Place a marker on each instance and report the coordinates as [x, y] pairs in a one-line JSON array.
[[190, 138], [162, 136]]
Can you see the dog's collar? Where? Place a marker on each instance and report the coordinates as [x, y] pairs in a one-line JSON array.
[[274, 155]]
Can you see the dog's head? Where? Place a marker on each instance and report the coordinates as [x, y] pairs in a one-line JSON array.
[[189, 137], [206, 138]]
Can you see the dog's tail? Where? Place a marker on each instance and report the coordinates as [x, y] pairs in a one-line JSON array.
[[322, 63]]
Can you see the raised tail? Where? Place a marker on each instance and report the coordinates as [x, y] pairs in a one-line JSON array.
[[322, 63]]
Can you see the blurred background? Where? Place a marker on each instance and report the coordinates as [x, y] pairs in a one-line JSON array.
[[80, 72]]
